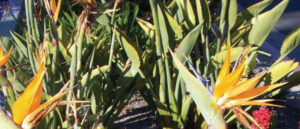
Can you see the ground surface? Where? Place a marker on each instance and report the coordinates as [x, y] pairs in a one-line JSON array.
[[289, 117], [137, 115]]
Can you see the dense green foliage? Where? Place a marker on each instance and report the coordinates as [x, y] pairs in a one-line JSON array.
[[112, 50]]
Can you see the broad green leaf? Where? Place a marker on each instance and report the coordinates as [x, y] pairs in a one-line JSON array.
[[238, 34], [65, 53], [70, 19], [20, 41], [250, 63], [290, 42], [187, 44], [264, 23], [185, 109], [235, 53], [103, 20], [63, 34], [252, 11], [17, 80], [131, 52], [223, 15], [232, 14], [93, 75], [203, 13], [189, 10], [135, 13], [163, 27], [147, 27], [280, 70], [186, 10], [175, 26], [201, 96]]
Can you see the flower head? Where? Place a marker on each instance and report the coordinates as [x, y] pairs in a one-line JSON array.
[[27, 110], [53, 9], [4, 57], [87, 3], [230, 93], [31, 98]]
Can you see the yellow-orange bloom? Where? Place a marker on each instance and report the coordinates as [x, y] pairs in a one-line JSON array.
[[86, 3], [31, 98], [27, 111], [53, 9], [4, 58], [230, 93]]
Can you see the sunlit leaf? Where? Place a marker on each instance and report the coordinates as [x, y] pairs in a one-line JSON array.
[[201, 96]]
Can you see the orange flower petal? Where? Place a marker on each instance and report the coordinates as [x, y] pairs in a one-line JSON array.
[[244, 86], [41, 112], [53, 6], [92, 2], [56, 13], [1, 51], [241, 103], [229, 81], [4, 58], [242, 118], [224, 71], [30, 99], [256, 92], [248, 116]]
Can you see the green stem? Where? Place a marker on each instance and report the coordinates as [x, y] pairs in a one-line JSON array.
[[80, 43], [159, 54], [112, 48], [31, 61], [114, 12]]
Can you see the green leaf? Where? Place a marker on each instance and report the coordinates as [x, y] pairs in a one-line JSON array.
[[264, 23], [175, 26], [130, 50], [280, 70], [65, 53], [201, 96], [20, 41], [189, 10], [95, 73], [235, 53], [250, 63], [232, 14], [187, 44], [103, 20], [203, 13], [185, 109], [93, 103], [238, 34], [63, 34], [290, 42], [147, 27], [252, 11], [186, 10], [164, 32]]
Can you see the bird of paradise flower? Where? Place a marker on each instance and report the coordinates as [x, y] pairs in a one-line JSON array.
[[229, 92], [27, 110]]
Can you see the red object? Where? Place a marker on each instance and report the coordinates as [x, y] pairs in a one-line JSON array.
[[262, 117]]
